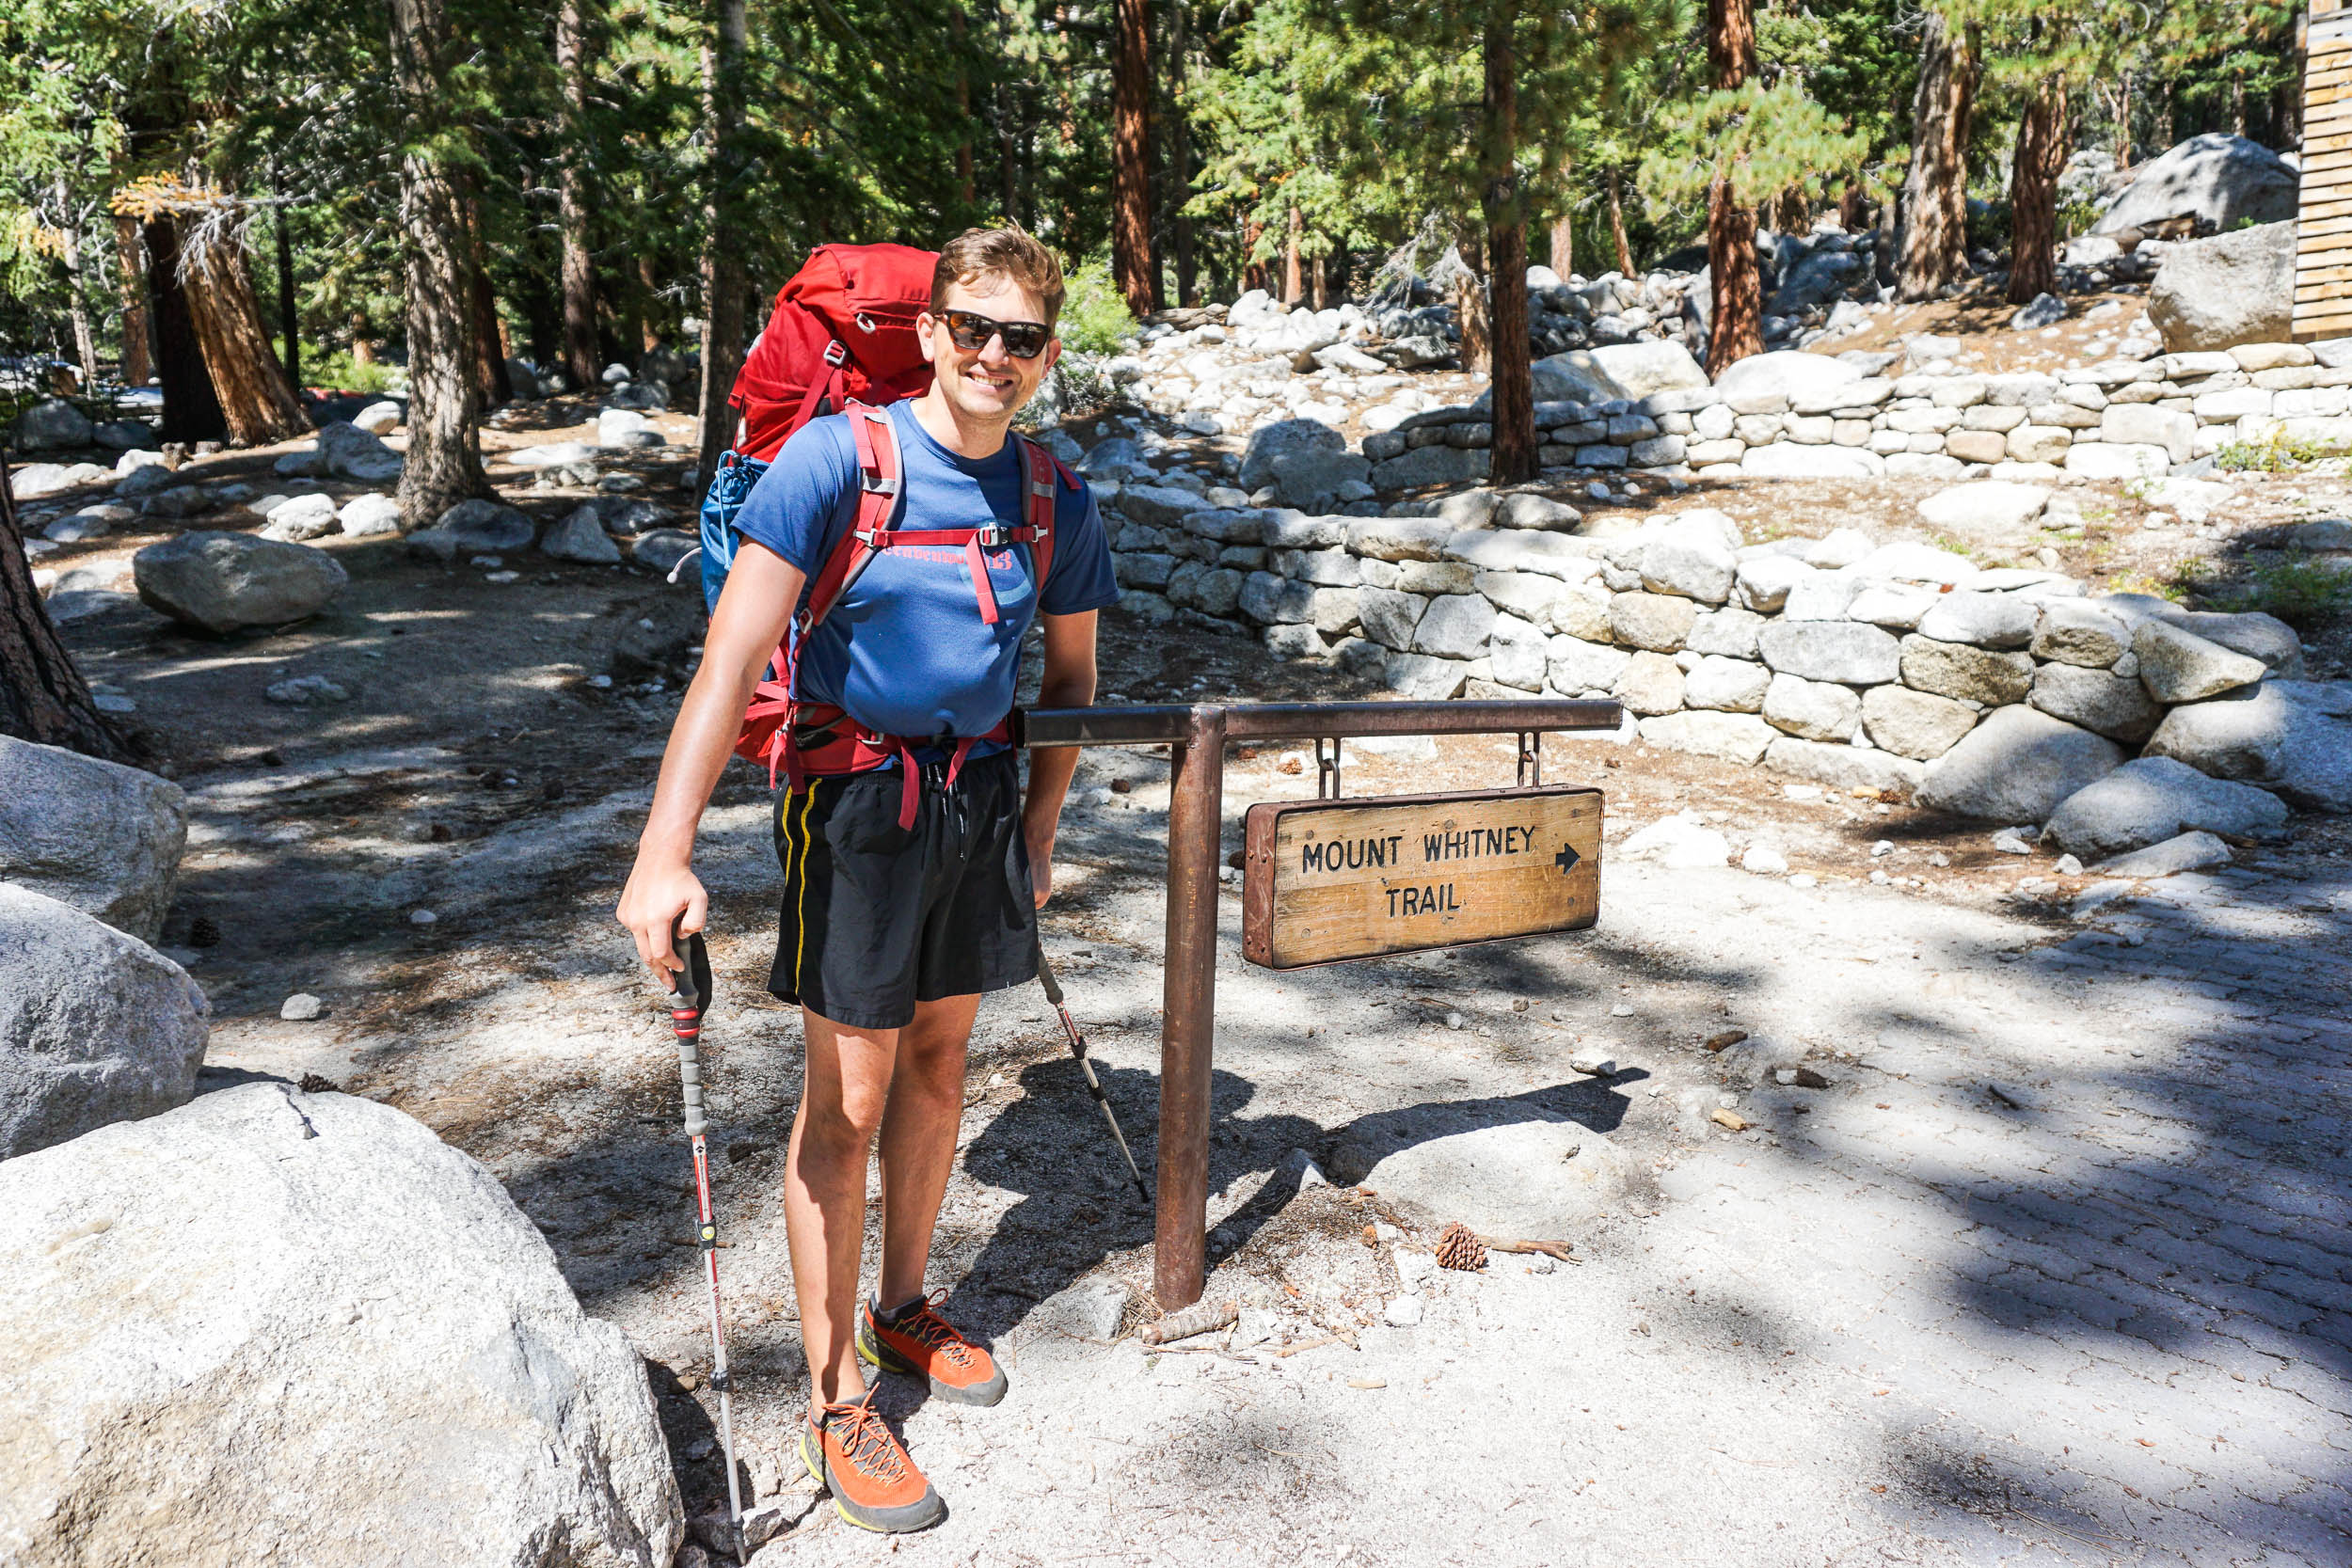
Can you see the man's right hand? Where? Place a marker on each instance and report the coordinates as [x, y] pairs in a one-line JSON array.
[[657, 900]]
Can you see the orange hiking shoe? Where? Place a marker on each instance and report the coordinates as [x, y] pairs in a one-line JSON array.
[[874, 1485], [924, 1344]]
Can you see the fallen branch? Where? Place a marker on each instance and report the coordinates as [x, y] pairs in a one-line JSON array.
[[1205, 1317], [1514, 1244]]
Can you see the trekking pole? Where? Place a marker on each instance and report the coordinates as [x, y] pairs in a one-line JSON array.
[[1078, 1049], [691, 994]]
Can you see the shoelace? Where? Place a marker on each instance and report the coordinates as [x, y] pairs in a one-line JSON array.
[[864, 1440], [935, 1332]]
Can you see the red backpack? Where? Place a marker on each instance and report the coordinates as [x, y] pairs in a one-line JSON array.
[[842, 339], [843, 330]]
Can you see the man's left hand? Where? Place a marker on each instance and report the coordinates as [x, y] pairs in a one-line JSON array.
[[1040, 866]]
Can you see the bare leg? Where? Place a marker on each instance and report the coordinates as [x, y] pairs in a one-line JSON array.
[[918, 1138], [844, 1093]]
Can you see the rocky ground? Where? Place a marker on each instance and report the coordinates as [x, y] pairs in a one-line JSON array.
[[2044, 1270]]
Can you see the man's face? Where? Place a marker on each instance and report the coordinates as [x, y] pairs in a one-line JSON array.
[[986, 383]]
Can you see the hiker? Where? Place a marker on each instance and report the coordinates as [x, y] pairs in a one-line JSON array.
[[913, 863]]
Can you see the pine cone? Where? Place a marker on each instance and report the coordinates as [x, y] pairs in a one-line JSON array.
[[1458, 1248]]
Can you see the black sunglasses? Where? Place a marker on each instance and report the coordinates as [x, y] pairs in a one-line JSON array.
[[971, 332]]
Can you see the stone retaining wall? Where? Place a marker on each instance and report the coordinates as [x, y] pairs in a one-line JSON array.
[[1853, 663], [1807, 416]]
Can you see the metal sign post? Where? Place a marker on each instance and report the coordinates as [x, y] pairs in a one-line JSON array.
[[1195, 736]]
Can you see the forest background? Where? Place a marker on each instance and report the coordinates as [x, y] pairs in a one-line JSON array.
[[240, 198]]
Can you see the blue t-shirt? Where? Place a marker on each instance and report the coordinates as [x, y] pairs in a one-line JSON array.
[[904, 650]]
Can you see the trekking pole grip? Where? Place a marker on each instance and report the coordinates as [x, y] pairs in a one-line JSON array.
[[690, 991]]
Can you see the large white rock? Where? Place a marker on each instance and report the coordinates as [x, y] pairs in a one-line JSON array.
[[2106, 460], [1790, 460], [1737, 737], [1912, 724], [1615, 371], [1812, 710], [2150, 800], [1731, 685], [1992, 511], [221, 582], [2016, 766], [1981, 620], [2226, 289], [580, 537], [35, 479], [364, 516], [1502, 1170], [2293, 737], [2221, 179], [1845, 652], [346, 452], [1689, 559], [272, 1327], [54, 422], [1455, 625], [1285, 438], [95, 1027], [2117, 706], [2178, 666], [1788, 374], [100, 836], [2197, 851]]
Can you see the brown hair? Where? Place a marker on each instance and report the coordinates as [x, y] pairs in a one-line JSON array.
[[1005, 252]]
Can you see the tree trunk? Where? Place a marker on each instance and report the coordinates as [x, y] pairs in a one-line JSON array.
[[650, 330], [1180, 159], [289, 309], [1253, 274], [1935, 189], [2123, 123], [1735, 326], [78, 305], [2041, 157], [1853, 208], [1293, 287], [444, 464], [256, 399], [191, 411], [572, 196], [1513, 414], [722, 240], [1131, 154], [1616, 224], [42, 696], [491, 377], [1468, 295], [139, 361], [362, 346], [1562, 245]]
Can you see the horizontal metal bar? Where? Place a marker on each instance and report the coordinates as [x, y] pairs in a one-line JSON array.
[[1159, 723]]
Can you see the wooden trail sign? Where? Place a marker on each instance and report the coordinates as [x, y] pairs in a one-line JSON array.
[[1324, 880]]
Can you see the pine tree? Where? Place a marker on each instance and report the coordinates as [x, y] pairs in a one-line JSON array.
[[1934, 251]]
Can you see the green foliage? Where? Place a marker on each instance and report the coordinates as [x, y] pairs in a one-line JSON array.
[[2272, 456], [1094, 316], [2301, 591], [338, 370], [1766, 139]]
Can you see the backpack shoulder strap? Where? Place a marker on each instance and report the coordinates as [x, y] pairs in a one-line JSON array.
[[1039, 470], [879, 488]]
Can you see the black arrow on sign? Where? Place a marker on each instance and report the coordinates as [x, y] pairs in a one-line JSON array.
[[1566, 860]]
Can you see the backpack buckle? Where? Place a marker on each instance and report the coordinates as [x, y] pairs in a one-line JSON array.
[[995, 536], [836, 354]]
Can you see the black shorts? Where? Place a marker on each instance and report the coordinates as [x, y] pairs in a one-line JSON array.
[[878, 917]]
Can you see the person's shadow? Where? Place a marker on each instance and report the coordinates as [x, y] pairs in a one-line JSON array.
[[1078, 1206]]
